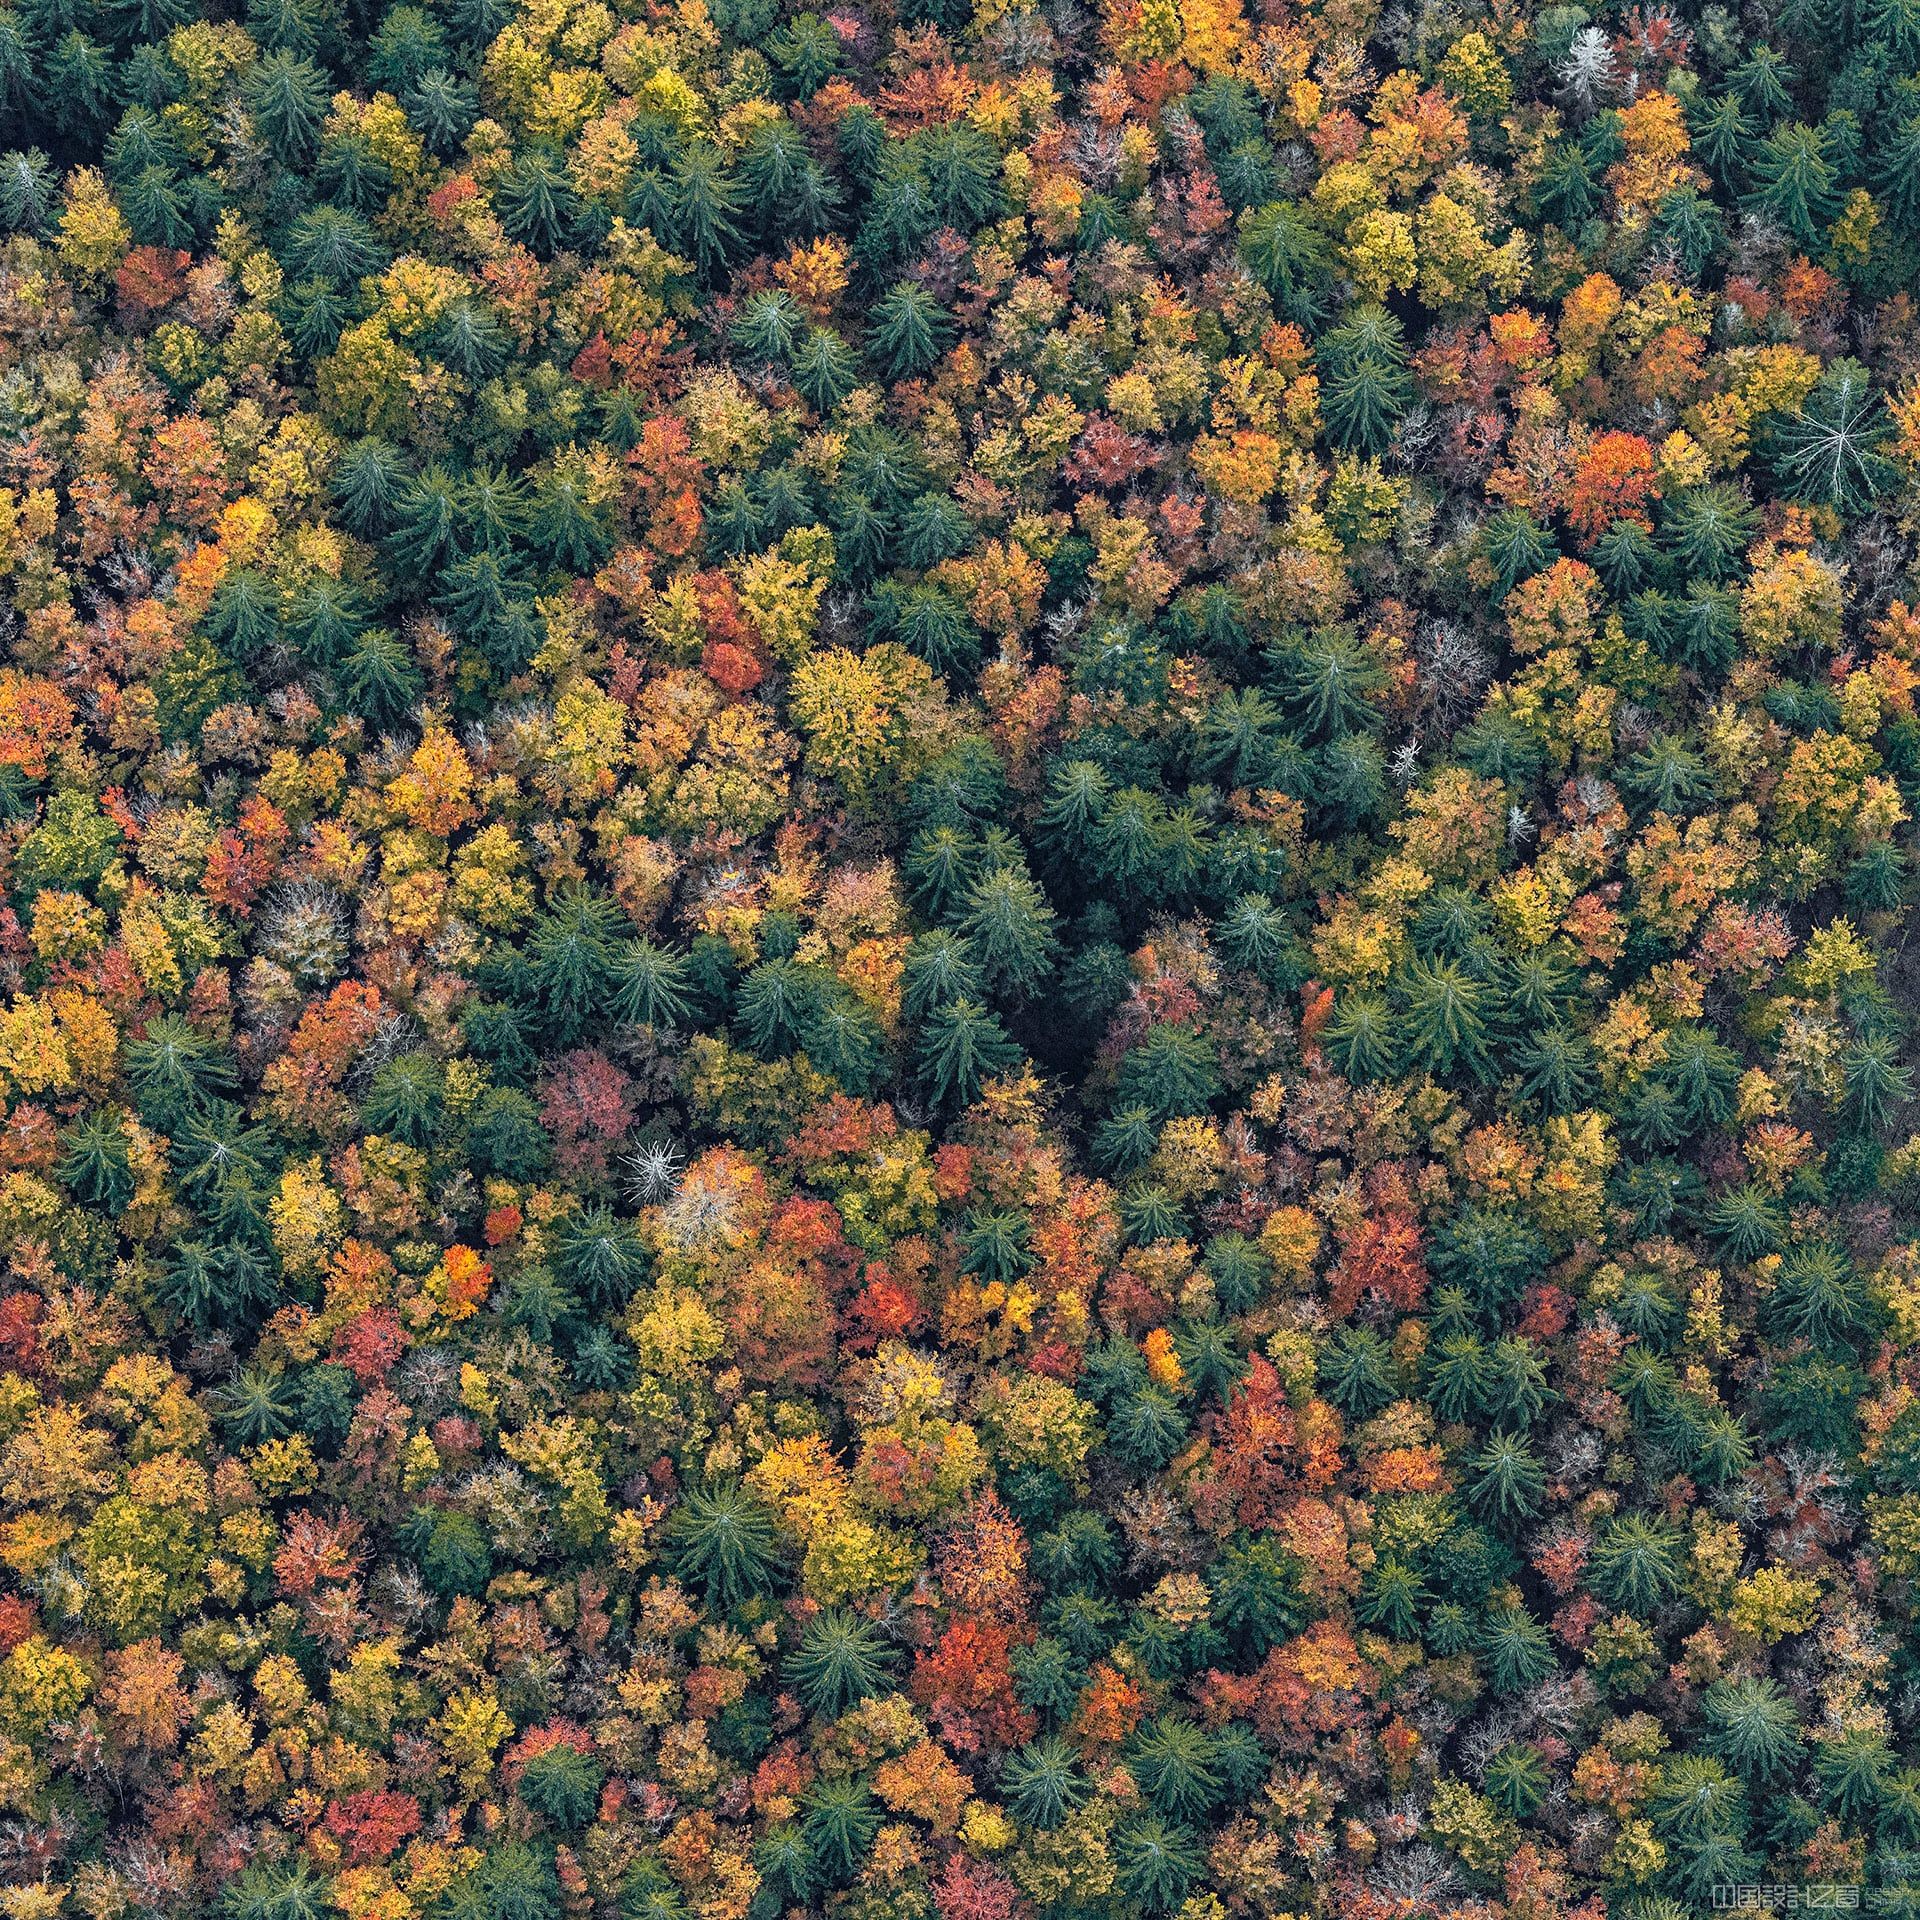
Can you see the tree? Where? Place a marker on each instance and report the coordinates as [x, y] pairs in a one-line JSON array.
[[841, 1660], [1173, 1760], [824, 372], [1289, 257], [256, 1405], [407, 1099], [1794, 179], [600, 1255], [287, 96], [705, 204], [331, 243], [1753, 1726], [908, 332], [1328, 681], [1828, 454], [562, 1784], [177, 1073], [515, 1881], [1365, 386], [441, 109], [839, 1821], [571, 960], [1511, 1480], [1818, 1296], [1633, 1563], [1443, 1018], [1008, 923], [962, 1045], [1516, 1650], [1172, 1071], [1697, 1797], [1875, 1080], [1043, 1783], [1157, 1861], [721, 1538], [95, 1163], [1517, 1780], [1708, 530], [1850, 1770], [276, 1890]]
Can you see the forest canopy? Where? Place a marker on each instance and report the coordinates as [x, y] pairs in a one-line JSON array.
[[954, 962]]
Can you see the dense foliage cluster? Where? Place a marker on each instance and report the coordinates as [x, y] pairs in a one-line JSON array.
[[953, 962]]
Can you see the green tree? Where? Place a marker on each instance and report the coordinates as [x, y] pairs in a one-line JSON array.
[[841, 1660], [720, 1538]]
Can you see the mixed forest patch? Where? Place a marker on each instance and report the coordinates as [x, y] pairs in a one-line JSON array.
[[954, 963]]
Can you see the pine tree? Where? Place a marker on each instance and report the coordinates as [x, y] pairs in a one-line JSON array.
[[536, 202], [470, 341], [330, 243], [1828, 454], [824, 373], [1328, 681], [256, 1405], [807, 51], [841, 1660], [783, 1860], [95, 1164], [1753, 1725], [287, 96], [1391, 1598], [367, 481], [407, 1100], [1443, 1014], [156, 208], [352, 174], [1517, 547], [1667, 776], [1043, 1783], [1289, 257], [277, 1890], [562, 1784], [1850, 1770], [441, 109], [1008, 922], [963, 175], [570, 960], [177, 1073], [719, 1538], [599, 1255], [1362, 399], [1158, 1862], [27, 185], [789, 191], [1363, 1038], [1875, 1080], [651, 985], [1633, 1564], [408, 45], [1794, 180], [769, 324], [565, 522], [1708, 530], [1516, 1650], [908, 332], [706, 205], [1173, 1761], [962, 1045], [839, 1821], [380, 680], [1818, 1296], [1173, 1070]]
